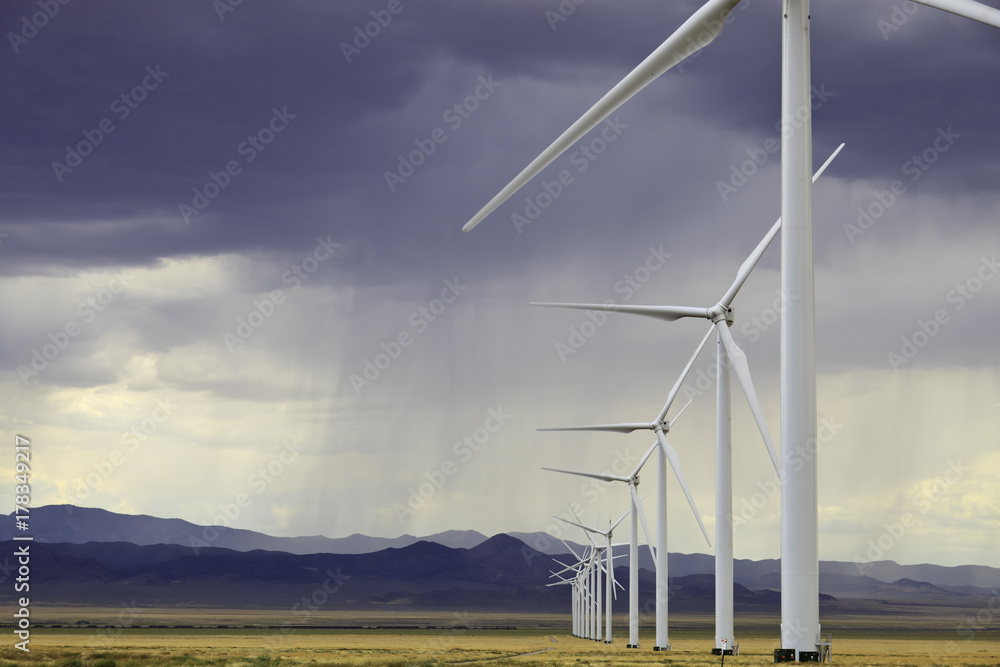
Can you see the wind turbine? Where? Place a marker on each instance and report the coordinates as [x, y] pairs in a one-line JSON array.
[[637, 512], [588, 583], [595, 576], [577, 584], [609, 567], [572, 583], [660, 426], [800, 626], [722, 317]]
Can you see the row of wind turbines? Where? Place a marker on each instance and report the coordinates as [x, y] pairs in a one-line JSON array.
[[729, 355], [800, 628]]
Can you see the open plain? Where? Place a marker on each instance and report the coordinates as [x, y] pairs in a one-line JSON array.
[[261, 638]]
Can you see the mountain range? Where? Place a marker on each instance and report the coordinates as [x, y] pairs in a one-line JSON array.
[[76, 525], [93, 556]]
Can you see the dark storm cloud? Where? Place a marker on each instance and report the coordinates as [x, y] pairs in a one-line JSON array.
[[222, 80]]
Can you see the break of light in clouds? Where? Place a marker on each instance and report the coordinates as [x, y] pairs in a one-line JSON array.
[[231, 263]]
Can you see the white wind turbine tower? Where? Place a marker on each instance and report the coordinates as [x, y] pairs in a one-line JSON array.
[[799, 506], [721, 315]]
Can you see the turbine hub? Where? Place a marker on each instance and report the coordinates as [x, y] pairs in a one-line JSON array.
[[719, 312]]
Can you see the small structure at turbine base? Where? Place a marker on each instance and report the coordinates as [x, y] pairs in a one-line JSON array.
[[825, 646], [788, 655], [824, 652]]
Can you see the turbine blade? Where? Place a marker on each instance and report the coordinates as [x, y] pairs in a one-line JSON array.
[[967, 8], [568, 567], [578, 525], [695, 33], [642, 462], [751, 261], [627, 427], [739, 363], [571, 550], [680, 380], [593, 544], [669, 313], [676, 465], [642, 519], [594, 475], [678, 415]]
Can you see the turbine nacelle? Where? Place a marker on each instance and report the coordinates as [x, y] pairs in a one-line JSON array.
[[719, 312]]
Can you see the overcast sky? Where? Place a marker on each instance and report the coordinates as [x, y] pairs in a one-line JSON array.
[[235, 282]]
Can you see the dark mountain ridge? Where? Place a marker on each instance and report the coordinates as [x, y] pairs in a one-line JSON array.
[[501, 558]]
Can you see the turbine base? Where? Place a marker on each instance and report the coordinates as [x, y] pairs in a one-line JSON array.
[[788, 655]]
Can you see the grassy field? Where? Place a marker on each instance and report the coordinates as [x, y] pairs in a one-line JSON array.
[[455, 639]]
